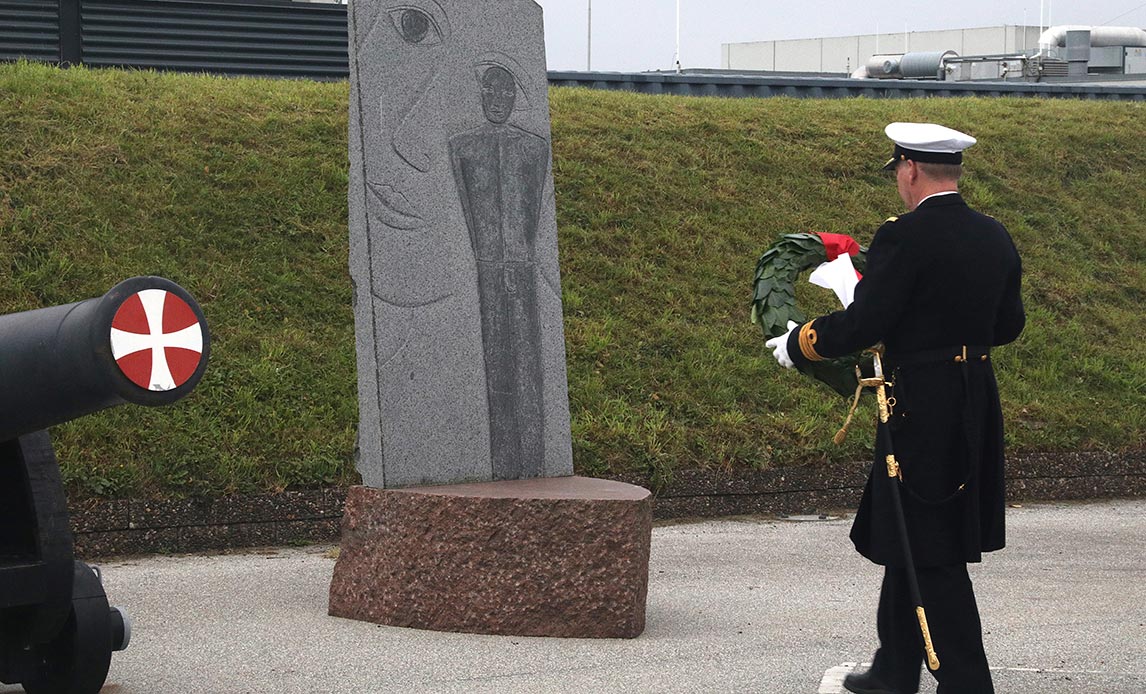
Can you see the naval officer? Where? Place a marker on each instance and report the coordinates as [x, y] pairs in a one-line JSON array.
[[940, 290]]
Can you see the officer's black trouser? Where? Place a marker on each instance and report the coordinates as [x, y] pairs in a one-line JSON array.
[[956, 632]]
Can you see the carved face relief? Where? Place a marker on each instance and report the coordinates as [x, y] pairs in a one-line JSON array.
[[414, 34], [498, 93]]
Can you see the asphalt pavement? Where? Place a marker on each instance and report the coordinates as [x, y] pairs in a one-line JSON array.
[[736, 605]]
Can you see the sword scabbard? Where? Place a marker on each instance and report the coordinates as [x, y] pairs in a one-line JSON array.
[[895, 472]]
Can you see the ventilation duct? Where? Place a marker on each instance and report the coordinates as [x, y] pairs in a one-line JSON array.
[[925, 65], [883, 67], [1055, 37], [919, 65]]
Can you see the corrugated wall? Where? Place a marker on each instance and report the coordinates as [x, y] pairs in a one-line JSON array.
[[29, 29], [241, 37], [266, 38]]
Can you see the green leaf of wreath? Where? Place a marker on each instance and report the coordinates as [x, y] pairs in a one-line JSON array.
[[774, 301]]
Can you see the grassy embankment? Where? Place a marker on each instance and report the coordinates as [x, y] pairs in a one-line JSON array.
[[236, 189]]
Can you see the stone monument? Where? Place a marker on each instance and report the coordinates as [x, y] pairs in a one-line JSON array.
[[461, 354], [469, 517]]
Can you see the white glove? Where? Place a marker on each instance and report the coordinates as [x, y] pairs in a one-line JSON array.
[[779, 347]]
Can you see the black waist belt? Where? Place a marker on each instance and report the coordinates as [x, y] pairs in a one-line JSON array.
[[955, 355], [963, 355]]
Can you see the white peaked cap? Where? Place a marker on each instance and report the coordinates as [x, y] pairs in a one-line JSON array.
[[928, 137], [926, 142]]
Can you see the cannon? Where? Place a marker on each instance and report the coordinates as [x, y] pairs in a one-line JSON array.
[[144, 342]]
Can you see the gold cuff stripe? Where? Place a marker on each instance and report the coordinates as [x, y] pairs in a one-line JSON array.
[[808, 338]]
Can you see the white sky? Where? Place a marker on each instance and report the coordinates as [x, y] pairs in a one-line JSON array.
[[638, 35]]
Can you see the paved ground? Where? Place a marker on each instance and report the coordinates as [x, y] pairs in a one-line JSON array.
[[747, 605]]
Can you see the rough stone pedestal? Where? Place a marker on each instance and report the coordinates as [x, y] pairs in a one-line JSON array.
[[564, 556]]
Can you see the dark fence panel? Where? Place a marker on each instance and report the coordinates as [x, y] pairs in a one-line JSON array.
[[289, 39], [237, 37], [29, 29]]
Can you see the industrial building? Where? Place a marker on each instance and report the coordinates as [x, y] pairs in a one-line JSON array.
[[985, 53]]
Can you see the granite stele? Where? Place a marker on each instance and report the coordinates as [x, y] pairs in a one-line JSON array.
[[461, 352], [469, 517]]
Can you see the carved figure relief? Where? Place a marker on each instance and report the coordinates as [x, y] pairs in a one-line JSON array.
[[500, 172]]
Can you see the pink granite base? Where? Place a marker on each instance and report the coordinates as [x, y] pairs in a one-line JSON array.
[[566, 556]]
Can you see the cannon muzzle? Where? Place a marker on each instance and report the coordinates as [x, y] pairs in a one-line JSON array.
[[144, 342]]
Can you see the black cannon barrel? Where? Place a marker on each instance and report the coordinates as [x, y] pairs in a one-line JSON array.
[[144, 342]]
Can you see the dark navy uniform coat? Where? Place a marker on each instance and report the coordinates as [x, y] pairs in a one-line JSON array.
[[938, 278]]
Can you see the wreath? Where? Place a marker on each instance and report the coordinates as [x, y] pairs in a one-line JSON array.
[[774, 296]]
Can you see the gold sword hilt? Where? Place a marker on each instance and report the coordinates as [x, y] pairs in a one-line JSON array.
[[879, 383], [932, 656]]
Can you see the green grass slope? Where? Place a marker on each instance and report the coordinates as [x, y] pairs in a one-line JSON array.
[[236, 189]]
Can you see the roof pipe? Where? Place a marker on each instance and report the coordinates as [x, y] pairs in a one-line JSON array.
[[917, 65], [1100, 36]]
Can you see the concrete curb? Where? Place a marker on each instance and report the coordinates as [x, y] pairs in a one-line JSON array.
[[127, 526]]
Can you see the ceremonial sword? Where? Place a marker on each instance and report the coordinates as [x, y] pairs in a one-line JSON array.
[[894, 478]]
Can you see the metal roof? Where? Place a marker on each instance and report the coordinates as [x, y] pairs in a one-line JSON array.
[[818, 87]]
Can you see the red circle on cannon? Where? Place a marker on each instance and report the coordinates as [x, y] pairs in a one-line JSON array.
[[157, 340]]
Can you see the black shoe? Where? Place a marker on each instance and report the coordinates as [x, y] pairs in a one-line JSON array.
[[867, 683]]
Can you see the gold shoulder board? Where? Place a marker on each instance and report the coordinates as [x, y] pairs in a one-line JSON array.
[[892, 219]]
